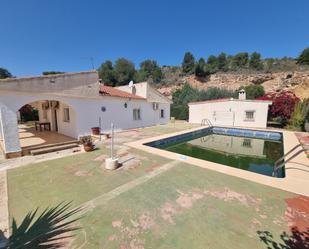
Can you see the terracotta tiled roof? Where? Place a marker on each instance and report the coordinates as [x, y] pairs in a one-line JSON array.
[[113, 92]]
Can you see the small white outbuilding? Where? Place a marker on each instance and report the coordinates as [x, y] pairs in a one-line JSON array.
[[239, 112]]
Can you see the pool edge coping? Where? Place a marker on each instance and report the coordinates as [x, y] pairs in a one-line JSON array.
[[295, 181]]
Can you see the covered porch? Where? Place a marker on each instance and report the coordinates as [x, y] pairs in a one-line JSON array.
[[53, 130], [30, 138]]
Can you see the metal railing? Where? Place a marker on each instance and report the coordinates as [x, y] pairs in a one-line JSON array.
[[206, 121], [281, 161]]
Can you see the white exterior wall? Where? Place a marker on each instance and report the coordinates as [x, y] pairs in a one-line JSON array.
[[89, 112], [9, 130], [68, 128], [230, 113], [139, 89]]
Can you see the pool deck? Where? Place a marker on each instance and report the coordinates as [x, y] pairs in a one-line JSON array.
[[297, 170]]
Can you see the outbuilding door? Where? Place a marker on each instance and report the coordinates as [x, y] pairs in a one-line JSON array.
[[224, 118]]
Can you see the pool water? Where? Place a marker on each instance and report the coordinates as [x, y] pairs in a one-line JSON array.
[[247, 153]]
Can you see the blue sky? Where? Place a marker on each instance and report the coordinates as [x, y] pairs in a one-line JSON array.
[[62, 35]]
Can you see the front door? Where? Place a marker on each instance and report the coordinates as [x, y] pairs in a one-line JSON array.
[[56, 121]]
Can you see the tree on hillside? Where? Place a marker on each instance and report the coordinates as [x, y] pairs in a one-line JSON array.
[[4, 73], [240, 60], [148, 66], [150, 69], [140, 76], [212, 64], [255, 61], [188, 63], [269, 64], [107, 73], [124, 71], [304, 57], [253, 91], [222, 62], [200, 68], [157, 75]]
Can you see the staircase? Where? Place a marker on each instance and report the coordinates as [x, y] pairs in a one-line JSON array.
[[43, 149]]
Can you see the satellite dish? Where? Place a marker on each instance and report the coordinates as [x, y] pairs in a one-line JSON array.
[[131, 83]]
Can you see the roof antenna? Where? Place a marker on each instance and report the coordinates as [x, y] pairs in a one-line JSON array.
[[91, 61]]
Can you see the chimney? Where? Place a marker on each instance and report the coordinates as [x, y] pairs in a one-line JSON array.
[[242, 94]]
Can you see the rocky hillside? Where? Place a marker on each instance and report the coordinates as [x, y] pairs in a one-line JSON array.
[[295, 81]]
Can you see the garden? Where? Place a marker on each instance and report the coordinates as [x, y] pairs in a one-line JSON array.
[[149, 202]]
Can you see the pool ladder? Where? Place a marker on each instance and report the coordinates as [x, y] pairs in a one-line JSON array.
[[281, 161], [206, 121]]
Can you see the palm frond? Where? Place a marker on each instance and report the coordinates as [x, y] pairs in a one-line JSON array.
[[53, 225]]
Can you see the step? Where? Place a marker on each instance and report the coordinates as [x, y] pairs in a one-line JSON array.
[[26, 150], [53, 149], [50, 145]]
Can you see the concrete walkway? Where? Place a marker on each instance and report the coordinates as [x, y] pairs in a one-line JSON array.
[[26, 160]]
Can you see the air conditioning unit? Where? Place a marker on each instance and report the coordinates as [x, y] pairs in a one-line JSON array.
[[45, 105], [54, 104], [155, 106]]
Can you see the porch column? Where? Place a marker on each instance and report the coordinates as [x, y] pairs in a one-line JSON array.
[[9, 131]]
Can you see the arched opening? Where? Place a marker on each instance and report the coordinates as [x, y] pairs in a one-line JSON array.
[[45, 123]]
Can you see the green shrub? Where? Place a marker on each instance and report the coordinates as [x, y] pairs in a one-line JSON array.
[[4, 73], [181, 98], [180, 112], [253, 91], [298, 118], [304, 57]]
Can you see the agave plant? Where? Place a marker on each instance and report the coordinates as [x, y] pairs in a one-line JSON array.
[[48, 231]]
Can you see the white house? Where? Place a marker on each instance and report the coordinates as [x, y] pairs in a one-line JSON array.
[[73, 103], [240, 112]]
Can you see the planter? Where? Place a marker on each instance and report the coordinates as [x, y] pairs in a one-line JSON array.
[[307, 126], [96, 130], [88, 147]]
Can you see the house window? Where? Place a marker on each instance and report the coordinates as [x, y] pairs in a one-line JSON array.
[[162, 113], [136, 114], [66, 114], [249, 116], [247, 143], [44, 114]]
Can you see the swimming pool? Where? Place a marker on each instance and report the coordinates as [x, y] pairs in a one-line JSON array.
[[250, 150]]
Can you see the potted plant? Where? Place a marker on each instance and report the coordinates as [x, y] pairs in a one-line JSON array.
[[96, 130], [107, 135], [87, 143]]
